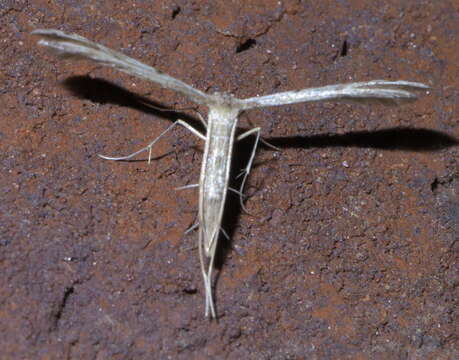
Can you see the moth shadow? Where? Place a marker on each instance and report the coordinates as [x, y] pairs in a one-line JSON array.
[[105, 92], [233, 209], [396, 138]]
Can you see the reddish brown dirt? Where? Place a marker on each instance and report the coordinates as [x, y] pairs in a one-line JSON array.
[[352, 249]]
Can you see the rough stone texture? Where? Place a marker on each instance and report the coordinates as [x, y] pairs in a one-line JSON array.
[[351, 248]]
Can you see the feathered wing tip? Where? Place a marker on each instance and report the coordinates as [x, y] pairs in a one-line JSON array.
[[383, 92], [71, 45], [399, 84]]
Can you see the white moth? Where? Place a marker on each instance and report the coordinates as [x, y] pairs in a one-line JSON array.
[[224, 110]]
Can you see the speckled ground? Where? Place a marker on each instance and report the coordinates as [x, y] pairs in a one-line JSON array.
[[351, 247]]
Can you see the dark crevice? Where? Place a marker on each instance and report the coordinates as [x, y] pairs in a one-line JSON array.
[[246, 45], [175, 11], [434, 185], [344, 48], [443, 182], [60, 309]]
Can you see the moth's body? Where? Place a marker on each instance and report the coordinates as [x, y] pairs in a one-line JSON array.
[[215, 171], [221, 125], [213, 182]]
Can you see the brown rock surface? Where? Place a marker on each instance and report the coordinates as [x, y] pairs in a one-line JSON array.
[[351, 251]]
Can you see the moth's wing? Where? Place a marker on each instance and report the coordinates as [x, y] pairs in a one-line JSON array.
[[75, 46], [376, 91]]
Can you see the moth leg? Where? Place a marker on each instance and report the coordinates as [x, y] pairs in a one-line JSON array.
[[201, 118], [207, 277], [190, 186], [269, 144], [192, 227], [209, 299], [149, 146], [265, 142], [237, 191], [208, 286], [225, 233], [246, 171]]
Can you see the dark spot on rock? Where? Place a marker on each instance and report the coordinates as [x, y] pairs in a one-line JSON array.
[[190, 290], [246, 45]]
